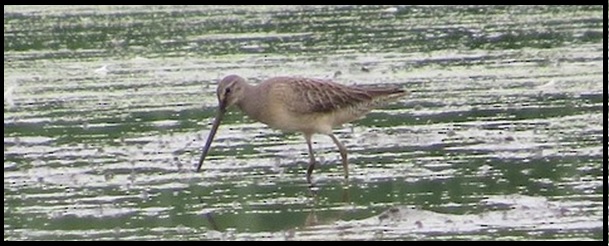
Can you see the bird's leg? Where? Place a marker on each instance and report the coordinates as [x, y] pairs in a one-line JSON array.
[[343, 154], [311, 158]]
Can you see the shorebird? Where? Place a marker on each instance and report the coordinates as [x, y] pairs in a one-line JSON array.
[[296, 104]]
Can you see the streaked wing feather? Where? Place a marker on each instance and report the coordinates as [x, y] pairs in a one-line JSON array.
[[311, 95]]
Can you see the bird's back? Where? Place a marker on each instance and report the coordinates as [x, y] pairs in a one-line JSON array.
[[316, 106]]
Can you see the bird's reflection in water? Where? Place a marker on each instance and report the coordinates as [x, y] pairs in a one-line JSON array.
[[312, 219], [210, 218]]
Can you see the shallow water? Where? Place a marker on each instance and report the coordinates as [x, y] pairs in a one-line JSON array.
[[106, 110]]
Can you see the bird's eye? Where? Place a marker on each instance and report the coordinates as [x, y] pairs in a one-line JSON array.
[[227, 90]]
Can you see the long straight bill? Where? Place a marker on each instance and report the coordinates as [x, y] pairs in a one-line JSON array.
[[210, 138]]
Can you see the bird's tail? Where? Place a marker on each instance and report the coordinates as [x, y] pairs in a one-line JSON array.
[[387, 93]]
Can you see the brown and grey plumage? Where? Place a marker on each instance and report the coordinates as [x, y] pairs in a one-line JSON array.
[[295, 104]]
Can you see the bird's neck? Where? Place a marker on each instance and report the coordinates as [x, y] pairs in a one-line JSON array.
[[250, 101]]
